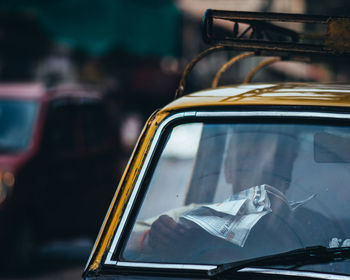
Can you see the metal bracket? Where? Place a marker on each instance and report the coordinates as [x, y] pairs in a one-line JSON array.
[[262, 36]]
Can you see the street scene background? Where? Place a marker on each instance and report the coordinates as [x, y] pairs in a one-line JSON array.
[[114, 63]]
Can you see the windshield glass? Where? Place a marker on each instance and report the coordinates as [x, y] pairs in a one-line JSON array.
[[16, 124], [227, 192]]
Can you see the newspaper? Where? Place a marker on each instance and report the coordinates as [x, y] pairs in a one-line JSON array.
[[233, 219]]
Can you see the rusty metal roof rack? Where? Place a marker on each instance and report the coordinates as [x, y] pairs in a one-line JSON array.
[[257, 34], [270, 39]]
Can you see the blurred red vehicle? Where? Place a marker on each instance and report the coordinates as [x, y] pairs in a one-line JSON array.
[[57, 164]]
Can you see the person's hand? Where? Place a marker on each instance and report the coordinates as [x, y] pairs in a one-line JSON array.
[[165, 233]]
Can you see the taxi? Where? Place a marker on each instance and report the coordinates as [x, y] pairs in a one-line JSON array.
[[238, 182]]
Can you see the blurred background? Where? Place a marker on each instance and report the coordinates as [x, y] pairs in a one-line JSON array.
[[78, 80]]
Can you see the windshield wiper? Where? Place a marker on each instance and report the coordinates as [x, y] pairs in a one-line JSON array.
[[294, 259]]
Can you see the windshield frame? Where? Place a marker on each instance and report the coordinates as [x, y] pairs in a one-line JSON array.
[[130, 212]]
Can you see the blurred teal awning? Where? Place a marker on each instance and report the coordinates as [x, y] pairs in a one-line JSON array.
[[142, 27]]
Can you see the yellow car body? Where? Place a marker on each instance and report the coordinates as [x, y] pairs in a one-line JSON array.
[[277, 100]]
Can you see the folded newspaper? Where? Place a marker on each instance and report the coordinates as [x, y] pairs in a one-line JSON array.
[[233, 219]]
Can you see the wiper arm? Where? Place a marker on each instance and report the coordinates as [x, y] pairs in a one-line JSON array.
[[294, 259]]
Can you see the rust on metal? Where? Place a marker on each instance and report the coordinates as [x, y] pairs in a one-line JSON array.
[[180, 90], [264, 37], [261, 35], [258, 67], [228, 64], [338, 34]]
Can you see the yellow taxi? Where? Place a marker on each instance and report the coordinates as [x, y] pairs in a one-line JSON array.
[[237, 182]]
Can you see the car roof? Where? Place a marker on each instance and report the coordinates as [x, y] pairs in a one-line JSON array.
[[73, 91], [37, 91], [297, 94], [22, 91]]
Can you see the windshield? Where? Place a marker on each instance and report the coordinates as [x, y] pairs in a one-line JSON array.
[[16, 124], [228, 192]]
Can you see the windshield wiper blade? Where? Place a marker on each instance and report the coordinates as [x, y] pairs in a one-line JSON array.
[[294, 259]]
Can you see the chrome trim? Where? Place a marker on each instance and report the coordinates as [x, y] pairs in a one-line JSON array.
[[137, 184], [109, 262], [104, 221], [310, 274], [196, 114], [167, 266], [274, 114], [99, 232]]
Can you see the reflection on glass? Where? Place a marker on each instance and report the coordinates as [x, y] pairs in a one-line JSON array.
[[16, 124], [228, 192]]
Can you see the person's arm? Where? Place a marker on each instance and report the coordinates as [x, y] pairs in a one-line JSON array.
[[162, 234], [158, 233]]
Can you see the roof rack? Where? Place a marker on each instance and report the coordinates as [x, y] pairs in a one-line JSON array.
[[267, 38], [257, 34]]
